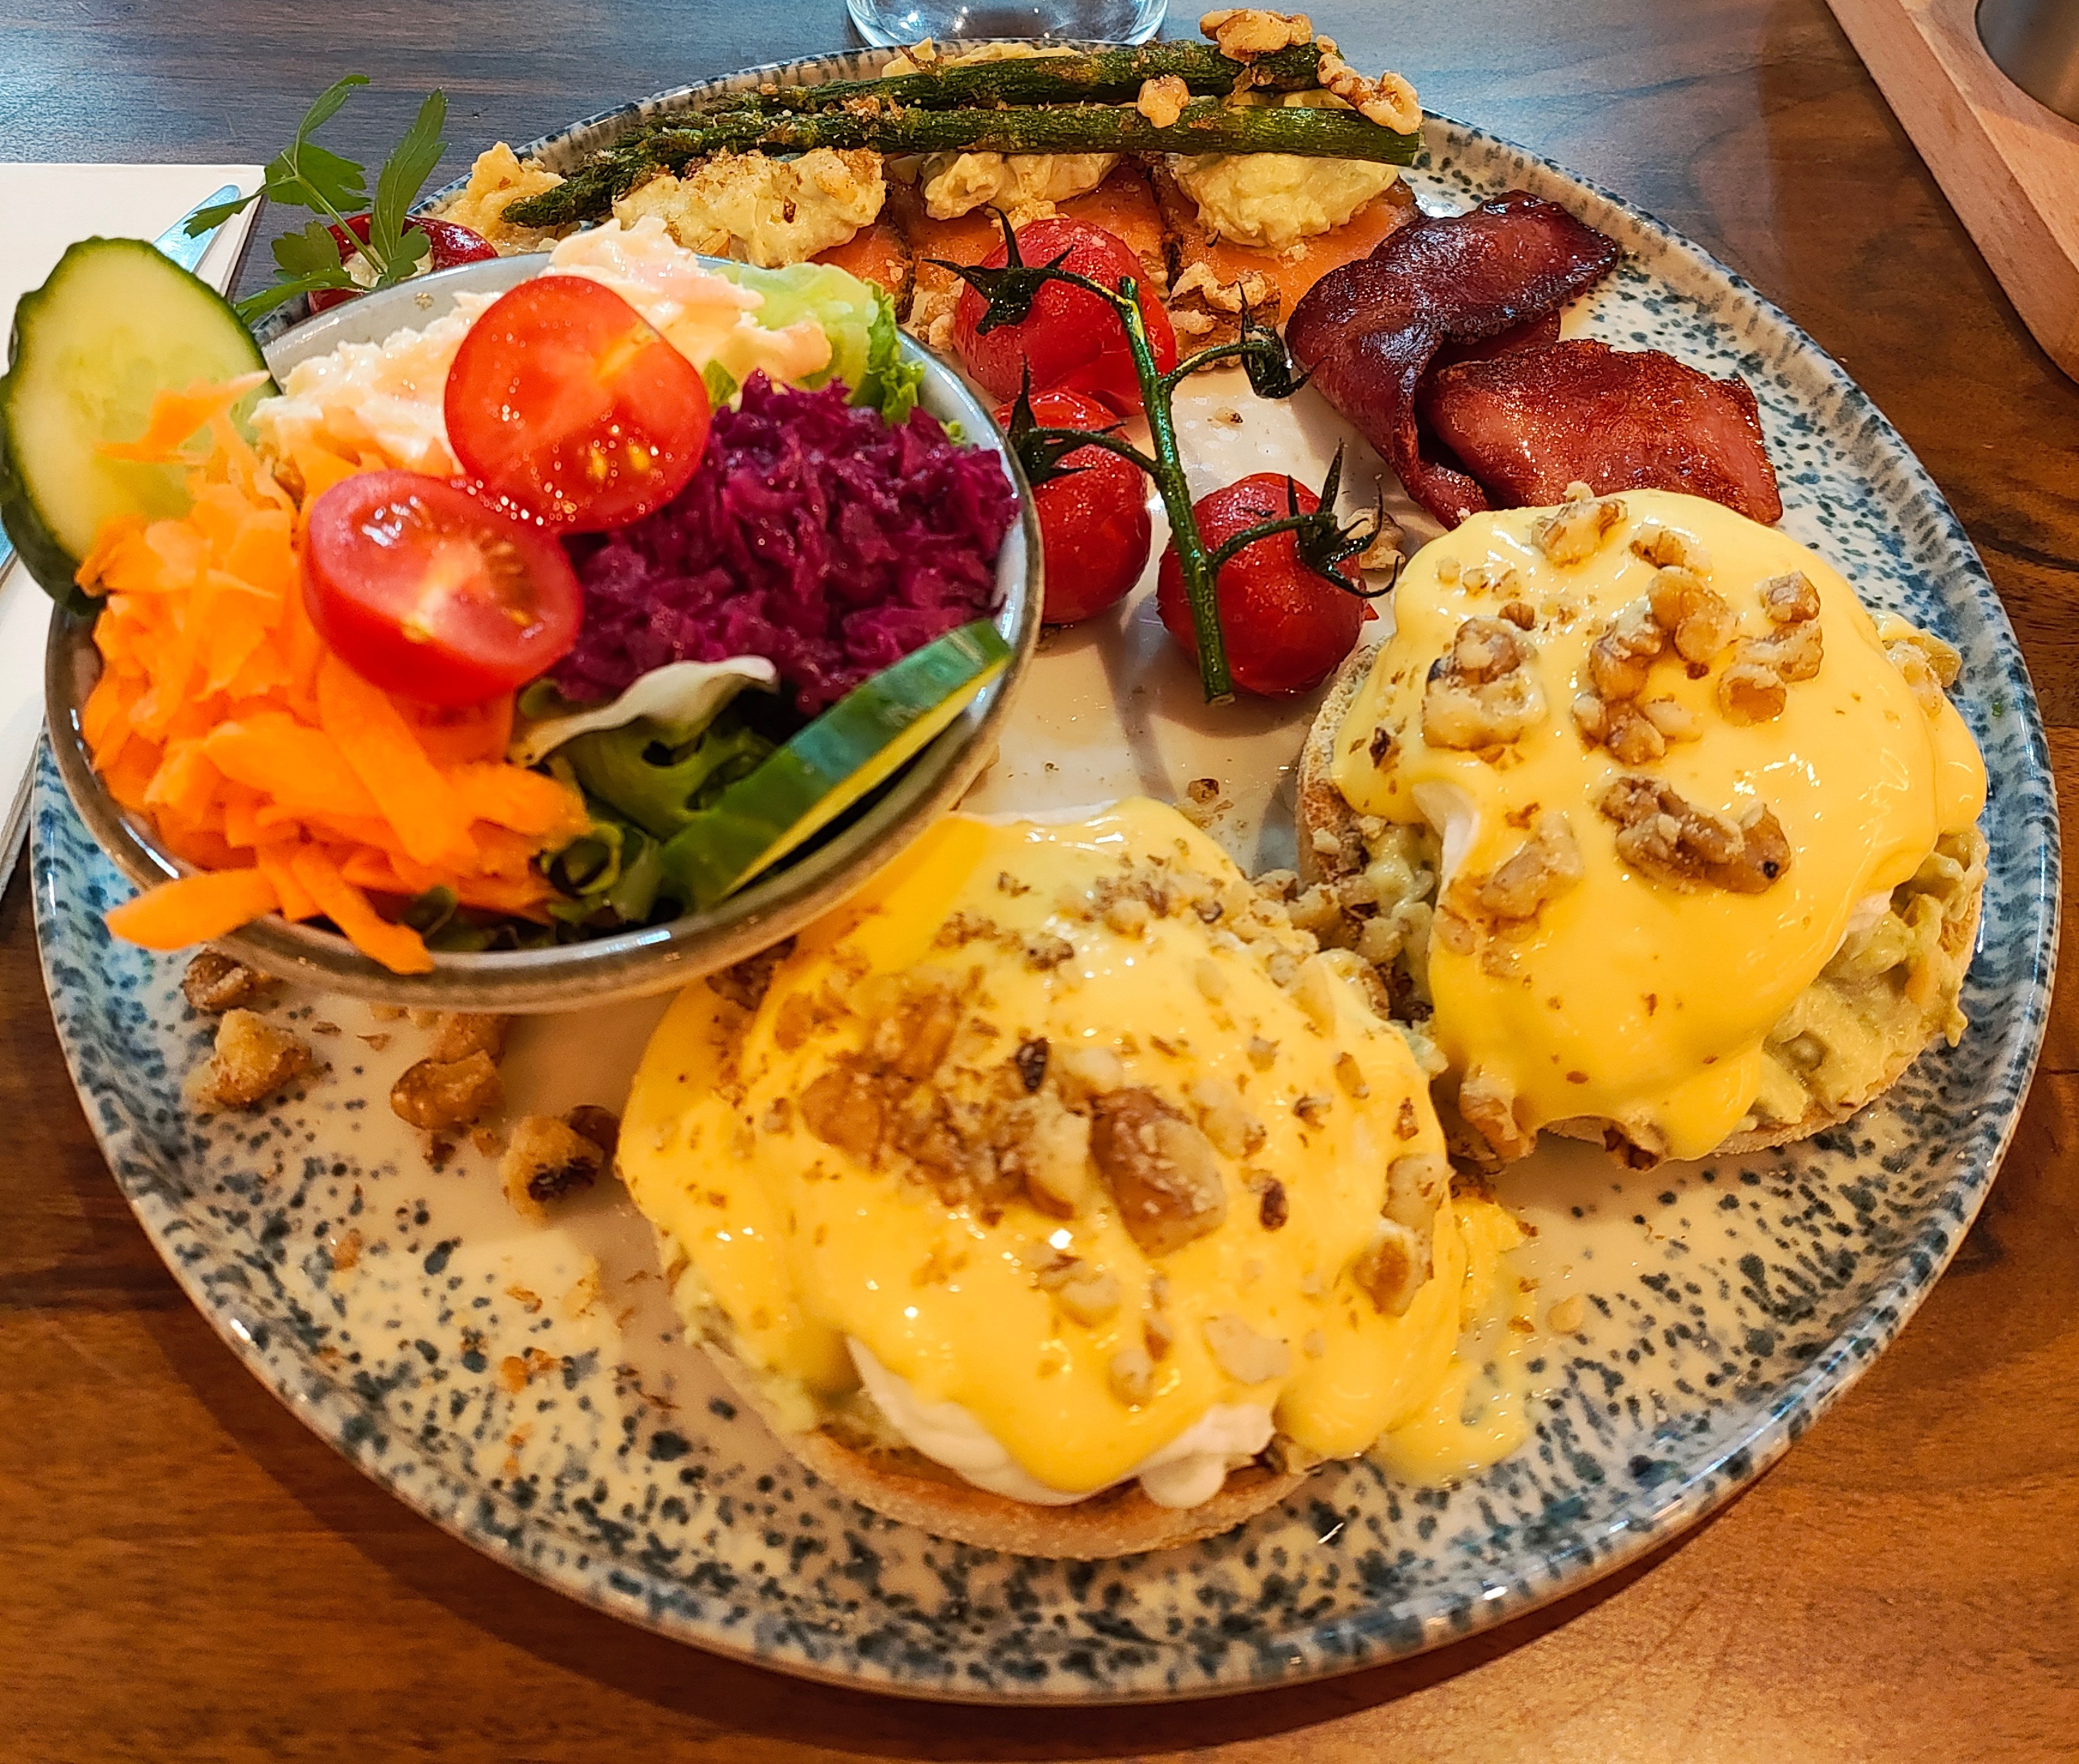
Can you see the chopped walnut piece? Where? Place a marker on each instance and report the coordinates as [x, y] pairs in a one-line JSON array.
[[1918, 673], [546, 1159], [1090, 1296], [1750, 692], [439, 1094], [1632, 736], [1157, 1331], [1696, 615], [1130, 1373], [1382, 546], [1393, 1267], [1521, 614], [601, 1126], [1664, 546], [217, 984], [1389, 101], [1225, 1120], [745, 982], [1245, 1356], [460, 1034], [1488, 1106], [1242, 33], [252, 1060], [1944, 661], [1675, 720], [1789, 599], [1620, 660], [1794, 650], [1047, 1148], [1162, 101], [1575, 530], [1675, 842], [1315, 991], [918, 1033], [843, 1108], [1416, 1187], [1043, 950], [1127, 915], [1087, 1071], [1540, 869], [1483, 692], [1162, 1171], [1030, 1060]]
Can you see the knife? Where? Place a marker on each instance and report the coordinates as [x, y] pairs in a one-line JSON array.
[[174, 244]]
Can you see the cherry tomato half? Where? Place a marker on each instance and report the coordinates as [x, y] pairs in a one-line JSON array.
[[447, 246], [565, 403], [1071, 338], [1094, 524], [423, 591], [1286, 628]]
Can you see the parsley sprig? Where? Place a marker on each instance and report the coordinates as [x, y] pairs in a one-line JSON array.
[[306, 175]]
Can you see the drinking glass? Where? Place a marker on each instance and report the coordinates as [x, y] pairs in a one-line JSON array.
[[894, 24]]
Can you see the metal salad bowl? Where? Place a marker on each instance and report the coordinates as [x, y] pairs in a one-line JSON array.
[[628, 964]]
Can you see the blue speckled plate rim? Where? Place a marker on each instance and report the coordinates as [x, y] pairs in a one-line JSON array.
[[487, 1523]]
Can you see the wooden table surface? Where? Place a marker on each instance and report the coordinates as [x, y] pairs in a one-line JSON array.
[[185, 1572]]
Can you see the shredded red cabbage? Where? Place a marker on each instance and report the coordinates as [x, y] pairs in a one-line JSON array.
[[815, 534]]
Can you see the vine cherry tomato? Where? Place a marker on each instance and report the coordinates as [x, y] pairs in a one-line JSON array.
[[447, 245], [1071, 339], [1094, 527], [1286, 628], [425, 592], [565, 403]]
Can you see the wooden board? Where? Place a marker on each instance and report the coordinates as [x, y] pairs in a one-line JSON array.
[[2009, 166]]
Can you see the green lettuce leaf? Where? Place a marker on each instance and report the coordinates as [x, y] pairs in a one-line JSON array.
[[641, 779], [858, 318]]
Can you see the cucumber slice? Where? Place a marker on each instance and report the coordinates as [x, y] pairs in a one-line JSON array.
[[116, 323], [859, 742]]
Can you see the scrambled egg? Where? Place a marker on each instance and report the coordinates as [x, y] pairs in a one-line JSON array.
[[1025, 186], [1274, 200], [1064, 1146], [496, 181], [764, 211]]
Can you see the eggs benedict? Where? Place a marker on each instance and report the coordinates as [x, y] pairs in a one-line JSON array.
[[1668, 841], [1055, 1195]]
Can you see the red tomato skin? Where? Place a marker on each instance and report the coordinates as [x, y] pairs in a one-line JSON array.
[[448, 245], [530, 416], [1286, 628], [1073, 340], [1094, 531], [360, 586]]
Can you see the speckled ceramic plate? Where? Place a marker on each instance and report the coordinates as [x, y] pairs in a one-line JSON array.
[[527, 1389]]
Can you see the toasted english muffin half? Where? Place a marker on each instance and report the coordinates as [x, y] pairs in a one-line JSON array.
[[1057, 1196], [1812, 1085], [846, 1447]]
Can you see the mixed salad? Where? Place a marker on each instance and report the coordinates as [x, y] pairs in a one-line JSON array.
[[574, 609]]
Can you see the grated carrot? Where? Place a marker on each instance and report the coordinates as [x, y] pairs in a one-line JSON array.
[[192, 909], [293, 783]]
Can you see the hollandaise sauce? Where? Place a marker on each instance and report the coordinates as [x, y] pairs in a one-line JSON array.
[[1122, 956], [1628, 997]]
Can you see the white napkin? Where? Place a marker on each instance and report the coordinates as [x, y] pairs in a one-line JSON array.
[[44, 209]]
